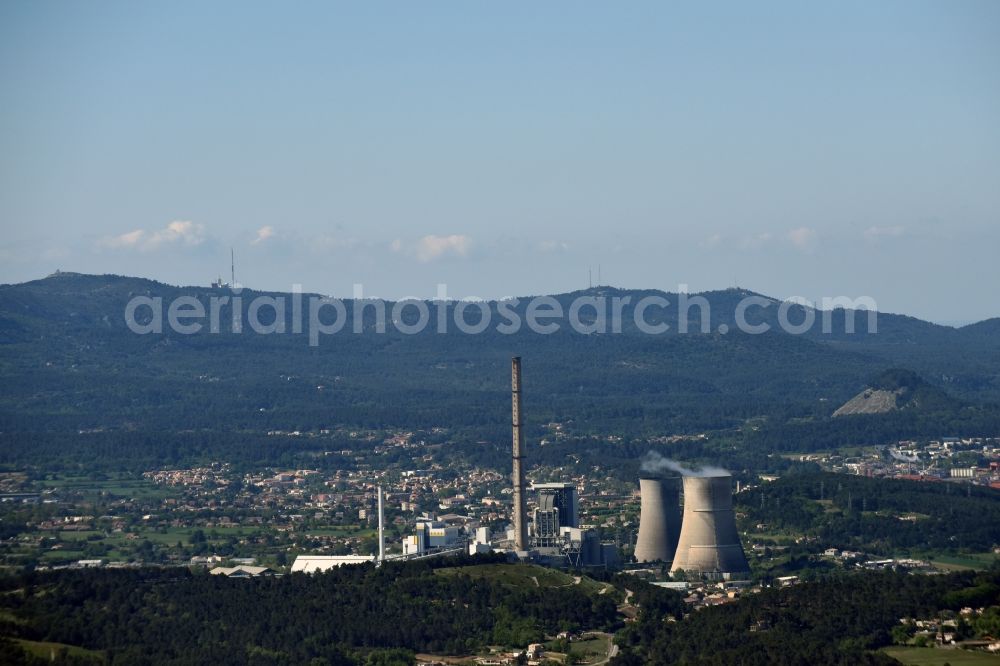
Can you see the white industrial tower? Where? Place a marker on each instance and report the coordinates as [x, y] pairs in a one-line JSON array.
[[659, 520], [709, 542]]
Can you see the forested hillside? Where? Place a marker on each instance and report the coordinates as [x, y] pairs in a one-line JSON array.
[[172, 616], [877, 515], [70, 368], [838, 621], [359, 615]]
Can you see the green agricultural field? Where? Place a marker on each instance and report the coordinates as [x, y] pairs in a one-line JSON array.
[[977, 561], [341, 531], [69, 482], [829, 507], [7, 615], [845, 451], [47, 650], [128, 487], [779, 537], [513, 575], [212, 534], [533, 576], [122, 546], [76, 535], [597, 645], [168, 536], [914, 656], [56, 556]]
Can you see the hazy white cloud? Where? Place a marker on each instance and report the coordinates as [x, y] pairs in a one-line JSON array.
[[263, 234], [712, 241], [553, 246], [802, 237], [128, 239], [328, 242], [178, 231], [875, 233], [182, 232], [756, 241], [430, 248], [54, 253]]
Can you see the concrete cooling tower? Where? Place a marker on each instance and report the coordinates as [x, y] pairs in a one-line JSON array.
[[709, 542], [659, 520]]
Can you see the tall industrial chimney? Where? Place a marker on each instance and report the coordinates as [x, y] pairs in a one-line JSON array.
[[381, 526], [520, 518], [659, 520], [709, 542]]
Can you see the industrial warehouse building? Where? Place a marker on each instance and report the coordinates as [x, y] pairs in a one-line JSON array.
[[241, 571], [431, 535], [316, 563]]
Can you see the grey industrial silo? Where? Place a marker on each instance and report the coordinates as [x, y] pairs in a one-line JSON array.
[[709, 542], [659, 520]]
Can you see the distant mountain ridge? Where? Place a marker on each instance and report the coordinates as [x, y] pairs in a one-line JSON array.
[[69, 363], [897, 327]]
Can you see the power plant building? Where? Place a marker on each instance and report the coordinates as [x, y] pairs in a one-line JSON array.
[[561, 496], [556, 536], [431, 535], [545, 528], [557, 508]]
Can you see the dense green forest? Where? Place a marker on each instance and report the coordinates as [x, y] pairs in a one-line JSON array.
[[142, 450], [172, 616], [805, 435], [877, 515], [837, 621], [921, 409], [74, 377], [366, 616]]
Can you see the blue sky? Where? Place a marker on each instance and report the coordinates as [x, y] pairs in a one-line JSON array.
[[796, 149]]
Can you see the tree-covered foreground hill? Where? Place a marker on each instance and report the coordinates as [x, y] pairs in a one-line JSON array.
[[360, 615], [886, 516], [839, 621], [172, 616]]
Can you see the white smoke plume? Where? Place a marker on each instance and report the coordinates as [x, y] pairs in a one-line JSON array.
[[898, 455], [654, 463]]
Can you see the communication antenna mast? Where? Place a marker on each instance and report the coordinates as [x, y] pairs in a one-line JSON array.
[[232, 267]]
